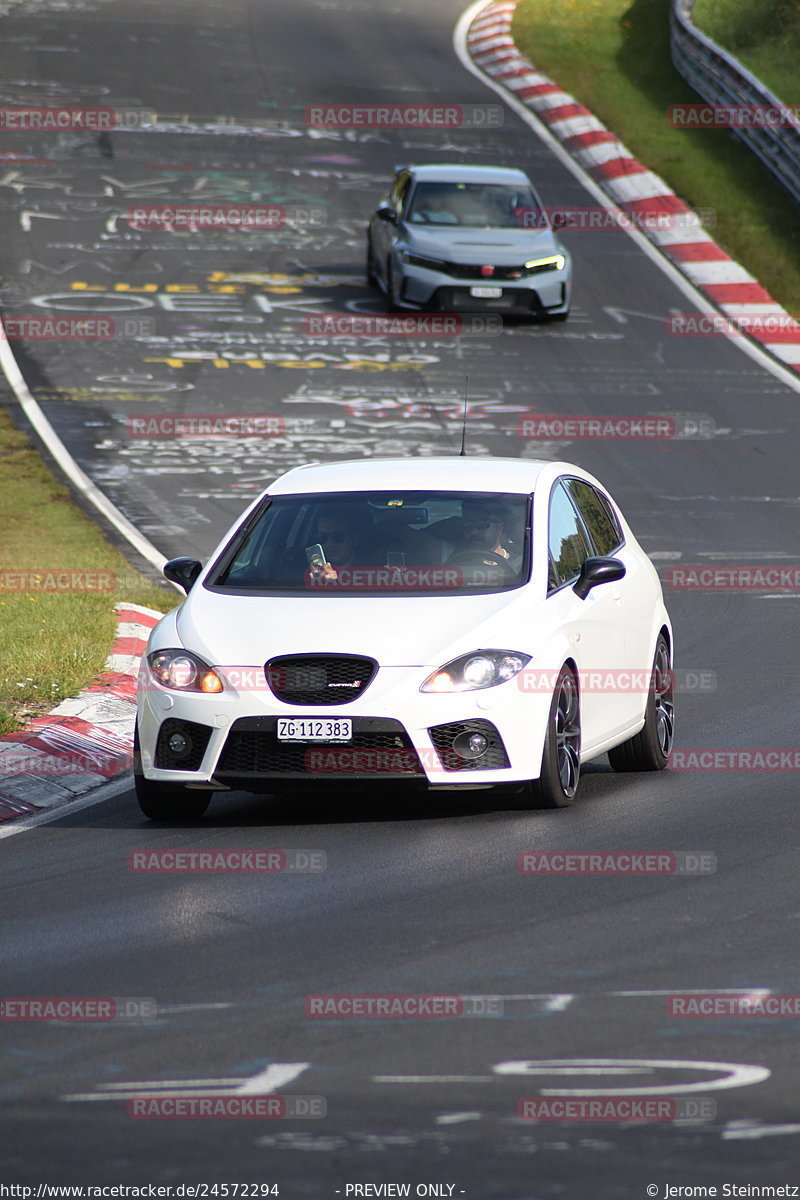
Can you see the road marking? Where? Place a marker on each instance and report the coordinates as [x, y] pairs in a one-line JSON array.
[[433, 1078], [457, 1118], [732, 1074], [105, 791], [739, 1130], [274, 1076], [621, 314]]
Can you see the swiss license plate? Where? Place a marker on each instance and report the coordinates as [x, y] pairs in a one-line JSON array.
[[315, 729], [486, 293]]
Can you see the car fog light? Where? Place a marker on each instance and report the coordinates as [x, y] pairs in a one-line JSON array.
[[178, 743], [470, 745]]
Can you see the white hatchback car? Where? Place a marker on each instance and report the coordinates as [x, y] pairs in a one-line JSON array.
[[457, 622]]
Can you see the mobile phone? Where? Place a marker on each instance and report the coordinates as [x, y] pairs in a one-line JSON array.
[[316, 556]]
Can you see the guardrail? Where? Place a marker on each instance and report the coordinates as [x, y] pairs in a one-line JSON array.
[[722, 80]]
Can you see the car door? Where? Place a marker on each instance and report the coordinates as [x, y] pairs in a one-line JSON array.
[[634, 590], [594, 628]]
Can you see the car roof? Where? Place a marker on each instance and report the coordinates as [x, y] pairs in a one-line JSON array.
[[458, 173], [502, 475]]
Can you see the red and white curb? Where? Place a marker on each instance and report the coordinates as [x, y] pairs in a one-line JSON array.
[[87, 739], [634, 189]]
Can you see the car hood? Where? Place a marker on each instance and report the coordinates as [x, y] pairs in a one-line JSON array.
[[502, 247], [396, 631]]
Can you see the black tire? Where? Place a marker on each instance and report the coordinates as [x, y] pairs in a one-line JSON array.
[[165, 801], [369, 271], [561, 767], [649, 749]]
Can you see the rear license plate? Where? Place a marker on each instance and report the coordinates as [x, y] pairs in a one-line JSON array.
[[486, 293], [314, 729]]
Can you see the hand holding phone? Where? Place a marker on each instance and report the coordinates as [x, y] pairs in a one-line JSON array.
[[316, 557]]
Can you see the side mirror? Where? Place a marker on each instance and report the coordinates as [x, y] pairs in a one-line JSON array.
[[597, 570], [385, 212], [182, 571]]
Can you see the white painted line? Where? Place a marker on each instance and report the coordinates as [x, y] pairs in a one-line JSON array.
[[531, 79], [98, 795], [601, 152], [682, 233], [268, 1081], [78, 478], [686, 991], [751, 349], [550, 100], [457, 1118], [276, 1075], [737, 1130], [153, 1085], [717, 271], [637, 185], [433, 1078], [730, 1075], [572, 126]]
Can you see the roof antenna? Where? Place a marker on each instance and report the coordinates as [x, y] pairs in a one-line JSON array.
[[463, 452]]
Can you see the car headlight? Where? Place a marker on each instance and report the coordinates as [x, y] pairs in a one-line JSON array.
[[553, 262], [472, 672], [183, 672], [420, 260]]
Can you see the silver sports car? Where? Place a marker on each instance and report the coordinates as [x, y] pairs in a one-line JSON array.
[[463, 238]]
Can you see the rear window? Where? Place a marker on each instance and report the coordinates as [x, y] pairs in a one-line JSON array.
[[379, 543]]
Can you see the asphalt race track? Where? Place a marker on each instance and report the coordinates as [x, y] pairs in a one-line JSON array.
[[418, 895]]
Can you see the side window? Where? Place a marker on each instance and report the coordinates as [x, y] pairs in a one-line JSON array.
[[566, 539], [597, 516]]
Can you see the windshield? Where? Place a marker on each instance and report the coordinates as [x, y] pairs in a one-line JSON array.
[[379, 543], [485, 205]]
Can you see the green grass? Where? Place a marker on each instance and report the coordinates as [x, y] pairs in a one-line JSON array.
[[53, 644], [763, 34], [613, 55]]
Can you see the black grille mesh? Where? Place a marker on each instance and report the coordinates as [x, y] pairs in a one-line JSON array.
[[380, 748], [319, 678], [443, 737]]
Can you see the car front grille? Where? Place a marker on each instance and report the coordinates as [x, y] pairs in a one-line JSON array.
[[379, 749], [319, 679], [514, 300], [445, 739], [474, 271]]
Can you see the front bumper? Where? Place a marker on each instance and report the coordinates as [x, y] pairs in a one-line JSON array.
[[536, 294], [399, 733]]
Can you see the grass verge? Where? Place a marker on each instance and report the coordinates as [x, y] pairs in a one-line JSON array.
[[763, 34], [53, 643], [613, 55]]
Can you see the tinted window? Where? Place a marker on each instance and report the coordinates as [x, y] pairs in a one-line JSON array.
[[485, 205], [445, 543], [566, 539], [597, 515]]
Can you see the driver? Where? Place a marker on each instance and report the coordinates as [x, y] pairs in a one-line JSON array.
[[338, 531], [483, 527]]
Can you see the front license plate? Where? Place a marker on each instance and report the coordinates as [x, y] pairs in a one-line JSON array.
[[486, 293], [314, 729]]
